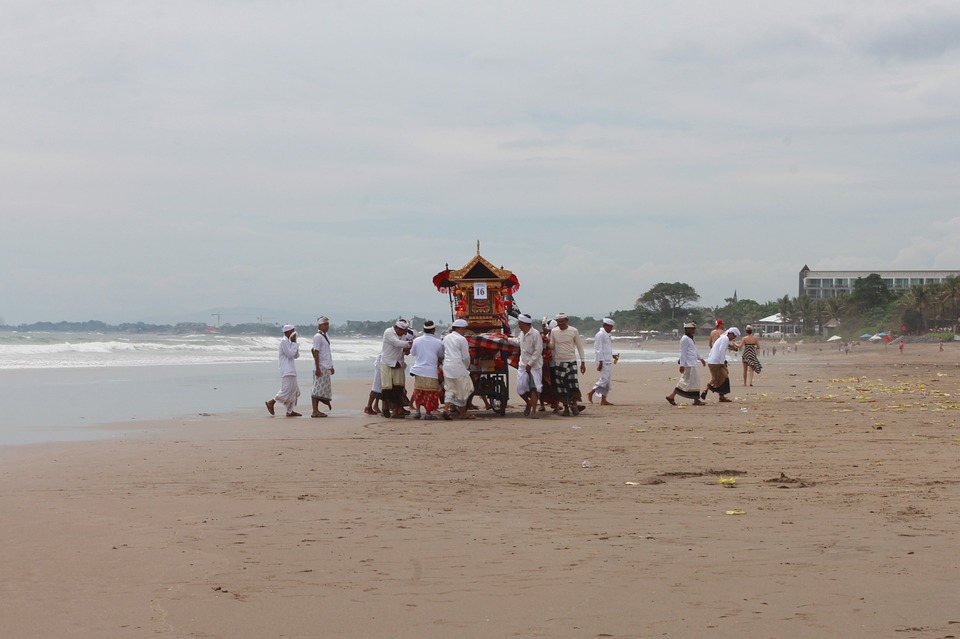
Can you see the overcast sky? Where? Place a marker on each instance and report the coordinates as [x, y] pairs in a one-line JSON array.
[[162, 159]]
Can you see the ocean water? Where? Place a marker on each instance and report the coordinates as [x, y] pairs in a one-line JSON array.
[[66, 386]]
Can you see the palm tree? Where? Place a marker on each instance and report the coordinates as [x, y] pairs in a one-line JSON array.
[[803, 306], [836, 306], [820, 313], [784, 308], [917, 299], [950, 293]]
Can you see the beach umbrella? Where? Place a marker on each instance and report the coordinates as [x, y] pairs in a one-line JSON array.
[[875, 338], [442, 281], [882, 334], [835, 338], [866, 336]]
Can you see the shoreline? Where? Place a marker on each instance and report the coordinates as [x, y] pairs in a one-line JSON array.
[[251, 526]]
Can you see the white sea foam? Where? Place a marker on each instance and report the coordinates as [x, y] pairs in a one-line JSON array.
[[96, 350]]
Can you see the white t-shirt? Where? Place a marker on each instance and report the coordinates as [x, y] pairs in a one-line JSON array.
[[428, 350]]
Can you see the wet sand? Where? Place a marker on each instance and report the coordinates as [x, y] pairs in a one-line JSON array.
[[610, 524]]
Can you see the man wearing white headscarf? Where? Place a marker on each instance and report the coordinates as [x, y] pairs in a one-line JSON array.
[[322, 368], [565, 346], [289, 389], [717, 363], [603, 346], [530, 367], [427, 351], [689, 384], [457, 383], [395, 347]]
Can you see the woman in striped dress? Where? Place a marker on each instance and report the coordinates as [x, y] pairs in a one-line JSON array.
[[749, 349]]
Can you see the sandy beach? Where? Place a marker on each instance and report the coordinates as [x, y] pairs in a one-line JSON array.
[[823, 502]]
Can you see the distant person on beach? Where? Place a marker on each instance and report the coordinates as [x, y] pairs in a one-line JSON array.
[[750, 346], [689, 384], [603, 348], [717, 331], [717, 363], [322, 391], [395, 346], [530, 368], [457, 383], [427, 350], [941, 344], [289, 389], [566, 345]]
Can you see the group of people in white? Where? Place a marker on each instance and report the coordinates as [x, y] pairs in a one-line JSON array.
[[547, 373]]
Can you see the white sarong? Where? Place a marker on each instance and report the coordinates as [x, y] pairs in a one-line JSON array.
[[458, 390], [289, 392]]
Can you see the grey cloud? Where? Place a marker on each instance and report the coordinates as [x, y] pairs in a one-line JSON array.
[[917, 39]]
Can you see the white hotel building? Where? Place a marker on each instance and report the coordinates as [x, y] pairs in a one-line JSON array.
[[821, 284]]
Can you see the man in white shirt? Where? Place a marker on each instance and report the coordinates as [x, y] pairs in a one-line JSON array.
[[395, 347], [289, 389], [689, 384], [428, 351], [457, 383], [322, 368], [603, 346], [717, 363], [565, 345], [530, 368]]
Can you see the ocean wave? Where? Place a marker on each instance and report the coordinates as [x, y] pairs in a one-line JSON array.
[[93, 350]]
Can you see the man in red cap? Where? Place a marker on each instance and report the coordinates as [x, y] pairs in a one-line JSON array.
[[717, 331]]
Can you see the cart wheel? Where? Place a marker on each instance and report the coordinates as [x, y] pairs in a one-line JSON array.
[[498, 398]]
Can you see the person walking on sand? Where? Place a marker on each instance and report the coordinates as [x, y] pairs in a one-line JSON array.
[[689, 384], [289, 389], [428, 353], [395, 346], [322, 391], [565, 345], [530, 368], [717, 363], [457, 383], [603, 346], [750, 347]]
